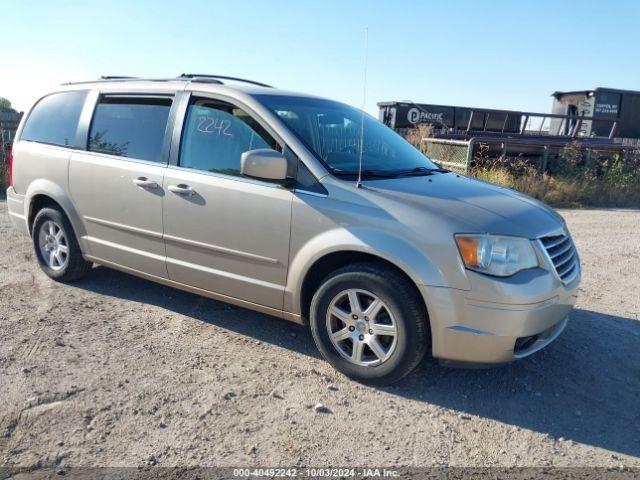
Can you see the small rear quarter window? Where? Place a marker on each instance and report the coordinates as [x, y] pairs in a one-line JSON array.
[[54, 119]]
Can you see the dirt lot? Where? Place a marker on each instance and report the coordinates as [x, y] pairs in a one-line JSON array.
[[114, 370]]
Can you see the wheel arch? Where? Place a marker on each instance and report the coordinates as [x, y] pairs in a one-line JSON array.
[[42, 193], [37, 203], [331, 262], [338, 247]]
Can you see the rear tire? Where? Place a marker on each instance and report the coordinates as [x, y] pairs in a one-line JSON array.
[[56, 246], [369, 322]]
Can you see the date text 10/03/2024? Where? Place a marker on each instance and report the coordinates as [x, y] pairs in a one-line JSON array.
[[316, 472]]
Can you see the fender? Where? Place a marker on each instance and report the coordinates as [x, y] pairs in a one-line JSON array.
[[42, 186], [385, 245]]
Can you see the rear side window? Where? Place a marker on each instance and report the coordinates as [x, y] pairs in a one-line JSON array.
[[130, 127], [54, 119]]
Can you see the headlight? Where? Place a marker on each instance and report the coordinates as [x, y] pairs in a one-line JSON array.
[[496, 255]]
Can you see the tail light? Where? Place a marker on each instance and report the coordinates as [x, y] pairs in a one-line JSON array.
[[11, 168]]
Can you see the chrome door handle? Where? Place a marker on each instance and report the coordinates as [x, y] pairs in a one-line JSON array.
[[144, 182], [182, 189]]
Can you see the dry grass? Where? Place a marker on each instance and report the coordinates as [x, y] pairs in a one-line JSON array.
[[576, 188], [573, 179], [415, 135]]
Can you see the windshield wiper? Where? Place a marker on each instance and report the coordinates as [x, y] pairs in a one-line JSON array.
[[419, 171], [414, 172], [368, 173]]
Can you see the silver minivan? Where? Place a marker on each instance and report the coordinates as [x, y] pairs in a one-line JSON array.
[[295, 206]]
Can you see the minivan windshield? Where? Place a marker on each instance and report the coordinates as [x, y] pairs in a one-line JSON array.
[[332, 131]]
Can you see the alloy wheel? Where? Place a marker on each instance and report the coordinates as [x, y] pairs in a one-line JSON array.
[[53, 244], [361, 327]]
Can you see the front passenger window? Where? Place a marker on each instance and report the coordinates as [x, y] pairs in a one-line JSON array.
[[216, 134]]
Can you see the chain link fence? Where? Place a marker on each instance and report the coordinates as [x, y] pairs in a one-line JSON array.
[[451, 154], [466, 155]]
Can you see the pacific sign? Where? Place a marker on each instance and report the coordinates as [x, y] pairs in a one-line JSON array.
[[415, 115]]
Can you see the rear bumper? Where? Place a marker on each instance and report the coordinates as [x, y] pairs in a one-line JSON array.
[[466, 329], [15, 207]]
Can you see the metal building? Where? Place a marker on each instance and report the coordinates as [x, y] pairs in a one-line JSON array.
[[609, 103]]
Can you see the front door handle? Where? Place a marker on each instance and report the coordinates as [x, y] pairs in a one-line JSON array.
[[181, 189], [144, 182]]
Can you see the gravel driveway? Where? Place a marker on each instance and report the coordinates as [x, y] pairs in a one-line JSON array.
[[114, 370]]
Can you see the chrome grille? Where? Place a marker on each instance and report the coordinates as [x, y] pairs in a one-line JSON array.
[[563, 255]]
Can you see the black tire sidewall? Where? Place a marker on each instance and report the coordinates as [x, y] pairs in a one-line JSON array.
[[59, 218], [402, 358]]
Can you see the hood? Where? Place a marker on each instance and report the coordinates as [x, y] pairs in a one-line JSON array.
[[470, 205]]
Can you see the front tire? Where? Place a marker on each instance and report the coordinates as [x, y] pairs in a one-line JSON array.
[[56, 246], [369, 322]]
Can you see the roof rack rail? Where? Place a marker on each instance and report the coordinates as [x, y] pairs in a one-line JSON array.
[[199, 78], [185, 77], [117, 77], [206, 77]]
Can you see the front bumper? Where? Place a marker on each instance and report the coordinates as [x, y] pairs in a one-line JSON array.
[[498, 320]]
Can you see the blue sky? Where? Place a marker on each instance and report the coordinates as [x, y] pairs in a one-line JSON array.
[[494, 54]]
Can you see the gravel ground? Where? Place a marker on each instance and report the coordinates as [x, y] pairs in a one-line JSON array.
[[118, 371]]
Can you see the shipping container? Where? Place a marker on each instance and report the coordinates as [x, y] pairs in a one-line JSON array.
[[402, 115]]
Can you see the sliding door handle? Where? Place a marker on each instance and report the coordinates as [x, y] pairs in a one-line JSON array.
[[181, 189], [144, 182]]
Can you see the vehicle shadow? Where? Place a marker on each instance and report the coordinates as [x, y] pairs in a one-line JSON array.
[[585, 387], [283, 333]]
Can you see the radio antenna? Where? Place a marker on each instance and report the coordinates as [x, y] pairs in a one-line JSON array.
[[364, 102]]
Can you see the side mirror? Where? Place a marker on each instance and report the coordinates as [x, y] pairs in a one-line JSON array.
[[264, 164]]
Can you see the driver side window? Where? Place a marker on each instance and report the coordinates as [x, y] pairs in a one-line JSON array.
[[216, 134]]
